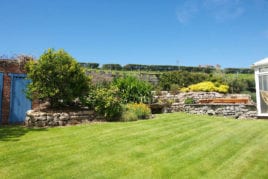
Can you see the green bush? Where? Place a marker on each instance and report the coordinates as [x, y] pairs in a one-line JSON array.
[[174, 89], [181, 78], [158, 91], [133, 90], [189, 101], [56, 77], [238, 85], [106, 102]]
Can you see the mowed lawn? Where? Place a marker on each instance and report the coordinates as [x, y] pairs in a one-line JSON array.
[[173, 145]]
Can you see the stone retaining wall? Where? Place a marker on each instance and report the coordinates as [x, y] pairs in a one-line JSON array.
[[165, 96], [58, 118], [175, 103], [238, 111]]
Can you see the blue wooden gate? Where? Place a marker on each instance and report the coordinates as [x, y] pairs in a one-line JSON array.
[[1, 92], [19, 104]]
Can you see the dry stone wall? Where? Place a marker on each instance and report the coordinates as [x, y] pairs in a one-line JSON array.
[[43, 119], [175, 103], [165, 96], [238, 111]]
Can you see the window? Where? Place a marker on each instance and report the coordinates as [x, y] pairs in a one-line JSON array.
[[263, 84]]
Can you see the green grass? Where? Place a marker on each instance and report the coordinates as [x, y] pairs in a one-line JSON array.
[[173, 145]]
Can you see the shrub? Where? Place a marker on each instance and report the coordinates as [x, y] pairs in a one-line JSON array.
[[222, 88], [206, 86], [184, 90], [180, 78], [141, 110], [106, 102], [237, 85], [189, 101], [158, 91], [133, 90], [56, 77], [203, 86], [174, 89]]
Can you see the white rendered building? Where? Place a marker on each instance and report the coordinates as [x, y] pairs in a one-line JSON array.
[[261, 80]]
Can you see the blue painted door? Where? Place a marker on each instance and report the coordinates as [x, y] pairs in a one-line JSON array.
[[1, 92], [19, 104]]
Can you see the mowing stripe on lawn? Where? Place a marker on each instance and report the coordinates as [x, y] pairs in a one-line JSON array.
[[169, 146]]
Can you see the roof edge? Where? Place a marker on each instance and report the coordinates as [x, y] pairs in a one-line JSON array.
[[262, 62]]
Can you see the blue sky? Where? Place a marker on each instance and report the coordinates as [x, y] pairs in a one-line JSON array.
[[232, 33]]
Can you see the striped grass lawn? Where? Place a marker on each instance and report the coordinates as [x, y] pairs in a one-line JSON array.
[[173, 145]]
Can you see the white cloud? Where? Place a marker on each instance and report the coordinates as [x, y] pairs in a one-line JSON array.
[[220, 10], [224, 9], [187, 11]]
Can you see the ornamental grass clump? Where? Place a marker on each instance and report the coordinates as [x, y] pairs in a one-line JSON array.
[[128, 116], [135, 111]]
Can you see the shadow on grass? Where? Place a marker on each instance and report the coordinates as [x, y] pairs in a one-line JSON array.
[[14, 132]]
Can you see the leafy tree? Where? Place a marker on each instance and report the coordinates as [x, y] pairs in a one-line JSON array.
[[134, 90], [131, 67], [56, 77], [239, 70], [90, 65], [112, 67]]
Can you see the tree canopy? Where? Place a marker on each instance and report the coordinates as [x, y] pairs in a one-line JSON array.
[[57, 77]]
